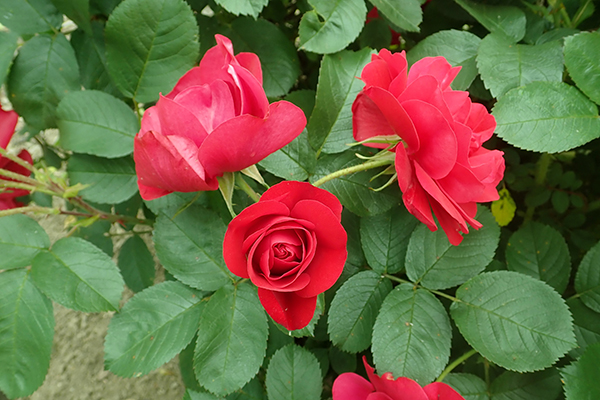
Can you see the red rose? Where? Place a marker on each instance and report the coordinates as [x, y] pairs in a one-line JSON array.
[[350, 386], [440, 163], [217, 119], [292, 245], [8, 122]]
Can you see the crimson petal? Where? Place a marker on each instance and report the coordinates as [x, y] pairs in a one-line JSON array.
[[288, 309]]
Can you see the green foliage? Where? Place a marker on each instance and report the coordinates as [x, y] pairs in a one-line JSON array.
[[509, 21], [581, 378], [21, 238], [29, 16], [243, 7], [136, 264], [539, 385], [293, 373], [406, 14], [587, 280], [8, 45], [471, 387], [581, 60]]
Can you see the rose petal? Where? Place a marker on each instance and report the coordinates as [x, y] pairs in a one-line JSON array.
[[177, 120], [8, 122], [462, 185], [211, 104], [251, 62], [351, 386], [291, 192], [376, 73], [8, 204], [426, 89], [252, 95], [441, 391], [379, 396], [437, 67], [288, 309], [481, 122], [400, 389]]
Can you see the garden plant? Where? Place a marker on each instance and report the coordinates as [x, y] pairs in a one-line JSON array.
[[348, 199]]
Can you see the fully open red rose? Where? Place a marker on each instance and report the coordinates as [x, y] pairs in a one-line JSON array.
[[440, 161], [8, 122], [217, 119], [292, 246], [350, 386]]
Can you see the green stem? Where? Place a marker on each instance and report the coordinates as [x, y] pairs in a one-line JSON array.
[[455, 364], [396, 279], [34, 209], [541, 172], [136, 107], [400, 280], [24, 186], [17, 160], [350, 170], [18, 177], [242, 184], [76, 201]]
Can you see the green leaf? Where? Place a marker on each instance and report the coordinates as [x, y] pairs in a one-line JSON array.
[[470, 387], [505, 65], [232, 339], [583, 63], [529, 322], [587, 280], [278, 57], [541, 252], [541, 385], [354, 308], [546, 117], [293, 373], [186, 366], [581, 377], [411, 336], [21, 238], [192, 395], [136, 264], [355, 191], [78, 275], [152, 327], [332, 25], [405, 14], [294, 162], [436, 264], [96, 233], [29, 16], [96, 123], [42, 74], [560, 201], [253, 390], [8, 45], [150, 44], [110, 181], [190, 246], [504, 208], [26, 332], [506, 20], [330, 124], [458, 47], [78, 11], [171, 203], [243, 7], [587, 326]]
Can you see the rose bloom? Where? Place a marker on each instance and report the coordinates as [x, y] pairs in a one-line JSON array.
[[350, 386], [217, 119], [292, 246], [440, 162], [8, 122]]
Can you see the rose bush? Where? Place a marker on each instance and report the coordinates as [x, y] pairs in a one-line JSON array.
[[351, 386], [440, 162], [216, 119], [8, 122], [292, 246]]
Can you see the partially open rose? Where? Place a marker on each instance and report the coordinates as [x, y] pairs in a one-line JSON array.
[[292, 245]]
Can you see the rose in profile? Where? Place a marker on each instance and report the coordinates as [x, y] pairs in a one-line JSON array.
[[8, 122], [351, 386], [292, 246], [439, 160], [216, 119]]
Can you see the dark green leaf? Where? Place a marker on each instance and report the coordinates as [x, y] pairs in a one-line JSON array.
[[587, 326], [587, 280], [243, 7], [171, 203], [541, 385], [405, 14], [136, 264], [150, 44], [294, 162], [560, 201], [42, 74], [411, 336], [78, 11], [232, 339], [8, 45], [470, 387], [293, 373], [506, 20], [21, 238], [192, 395], [581, 377], [354, 309], [547, 117], [78, 275], [583, 62], [341, 362], [252, 391], [96, 233], [529, 322], [29, 16], [186, 366], [152, 327]]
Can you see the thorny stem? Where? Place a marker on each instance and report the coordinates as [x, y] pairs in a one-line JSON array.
[[16, 159], [350, 170], [18, 177], [24, 186], [455, 364]]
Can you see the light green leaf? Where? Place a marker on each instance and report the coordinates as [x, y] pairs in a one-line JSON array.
[[42, 74], [78, 275], [293, 373], [529, 322], [582, 59], [470, 387], [243, 7], [8, 45], [581, 377], [190, 246], [29, 16], [541, 252], [150, 44], [541, 385], [505, 65], [330, 124], [436, 264], [136, 264], [546, 117], [152, 327], [385, 239], [412, 335], [21, 238], [26, 332], [587, 280], [354, 308], [232, 339], [96, 123], [458, 47], [110, 181], [506, 20], [405, 14], [332, 25], [294, 162]]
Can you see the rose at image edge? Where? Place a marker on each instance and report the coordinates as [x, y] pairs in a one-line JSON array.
[[351, 386], [8, 122], [439, 160], [216, 119], [292, 246]]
